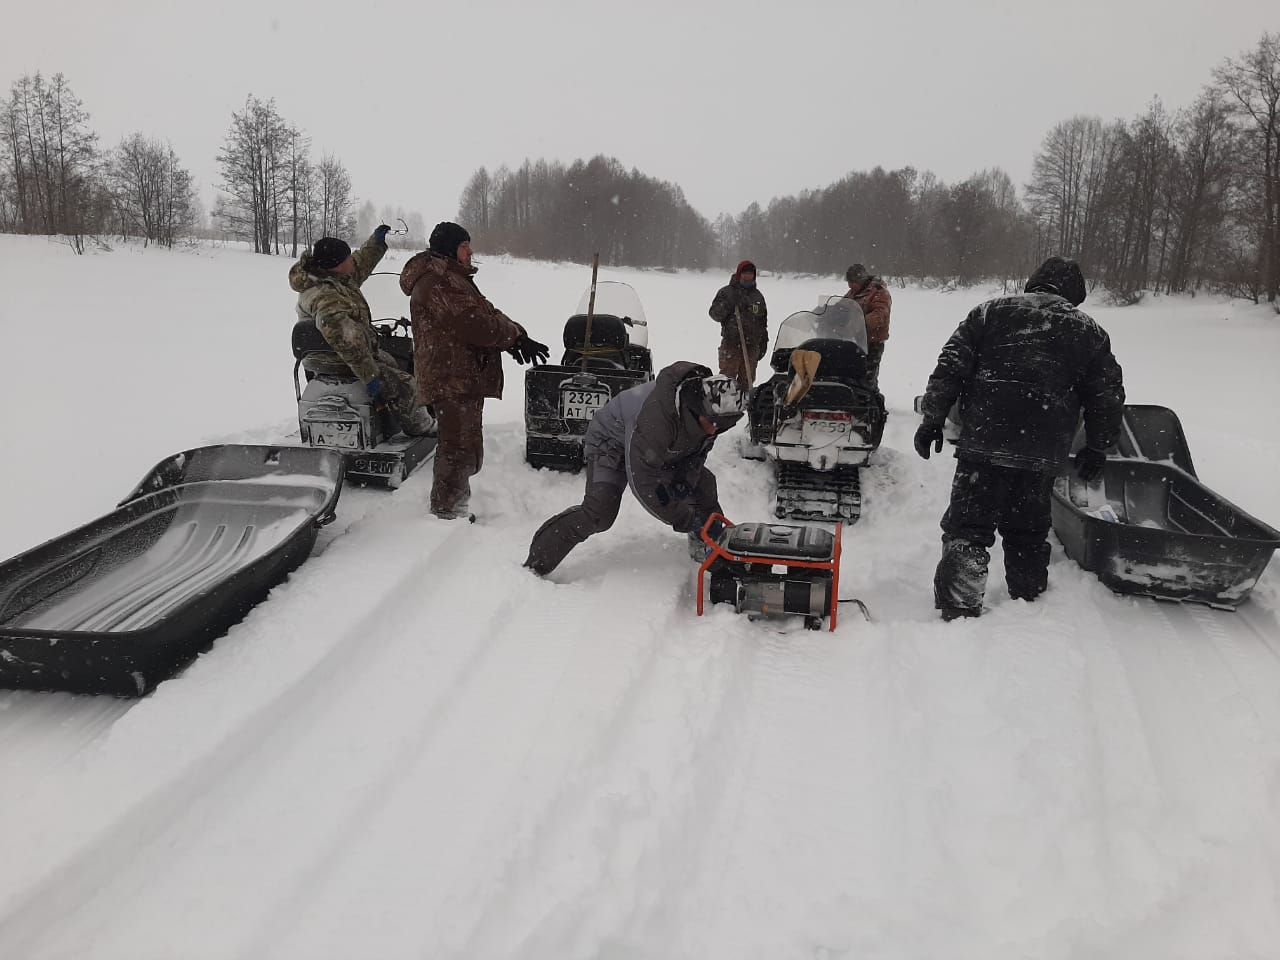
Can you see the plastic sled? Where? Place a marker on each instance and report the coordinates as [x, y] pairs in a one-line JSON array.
[[1171, 537], [127, 600]]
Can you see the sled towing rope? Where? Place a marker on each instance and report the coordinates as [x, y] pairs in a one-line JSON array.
[[742, 560]]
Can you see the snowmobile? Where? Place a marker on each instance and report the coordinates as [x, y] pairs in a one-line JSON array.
[[334, 411], [606, 351], [127, 600], [817, 417]]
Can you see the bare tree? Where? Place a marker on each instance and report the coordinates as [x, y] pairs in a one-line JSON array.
[[154, 194], [253, 161], [334, 199], [52, 158], [1252, 81]]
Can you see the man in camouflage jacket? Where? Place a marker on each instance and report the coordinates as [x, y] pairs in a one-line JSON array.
[[1023, 367], [458, 339], [741, 300], [328, 280], [870, 293]]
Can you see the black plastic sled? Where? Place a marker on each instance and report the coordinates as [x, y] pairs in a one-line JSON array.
[[560, 400], [127, 600], [1152, 528]]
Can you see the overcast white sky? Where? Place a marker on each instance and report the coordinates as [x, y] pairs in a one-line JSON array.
[[735, 101]]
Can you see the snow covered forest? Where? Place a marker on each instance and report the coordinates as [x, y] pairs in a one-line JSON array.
[[1173, 200]]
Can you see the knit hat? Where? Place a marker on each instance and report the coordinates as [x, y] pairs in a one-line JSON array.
[[858, 273], [329, 252], [746, 266], [446, 238]]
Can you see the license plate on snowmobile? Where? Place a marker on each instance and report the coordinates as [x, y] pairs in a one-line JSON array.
[[825, 424], [576, 404], [339, 434]]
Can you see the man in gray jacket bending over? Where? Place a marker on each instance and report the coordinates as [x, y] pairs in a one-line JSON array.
[[654, 438]]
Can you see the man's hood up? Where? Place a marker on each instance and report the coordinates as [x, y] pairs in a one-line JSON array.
[[1059, 276]]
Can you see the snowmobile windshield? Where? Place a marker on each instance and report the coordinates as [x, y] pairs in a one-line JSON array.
[[839, 318], [619, 300]]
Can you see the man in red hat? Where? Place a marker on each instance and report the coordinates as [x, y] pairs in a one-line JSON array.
[[740, 310]]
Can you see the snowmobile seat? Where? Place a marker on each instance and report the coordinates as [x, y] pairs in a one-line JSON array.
[[307, 338], [609, 342], [841, 359], [328, 363]]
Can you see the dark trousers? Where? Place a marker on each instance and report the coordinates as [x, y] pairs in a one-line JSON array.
[[875, 353], [986, 498], [459, 452], [731, 359], [596, 514]]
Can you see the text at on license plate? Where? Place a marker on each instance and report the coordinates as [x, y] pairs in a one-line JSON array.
[[336, 434], [581, 404]]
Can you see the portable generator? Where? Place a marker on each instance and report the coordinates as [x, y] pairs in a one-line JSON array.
[[772, 569]]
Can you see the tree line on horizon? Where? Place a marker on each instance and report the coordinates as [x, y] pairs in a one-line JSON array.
[[1167, 201]]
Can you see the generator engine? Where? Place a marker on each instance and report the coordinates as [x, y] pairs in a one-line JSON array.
[[772, 569]]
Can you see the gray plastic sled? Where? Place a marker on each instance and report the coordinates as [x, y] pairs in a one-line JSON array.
[[1171, 537], [127, 600]]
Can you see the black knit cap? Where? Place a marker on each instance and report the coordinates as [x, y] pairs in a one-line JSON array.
[[1059, 276], [446, 238], [858, 273], [329, 252]]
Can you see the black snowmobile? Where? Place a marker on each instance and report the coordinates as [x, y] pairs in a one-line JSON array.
[[335, 412], [818, 417], [560, 400]]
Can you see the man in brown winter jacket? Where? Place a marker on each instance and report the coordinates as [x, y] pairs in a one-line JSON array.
[[743, 316], [872, 296], [458, 337]]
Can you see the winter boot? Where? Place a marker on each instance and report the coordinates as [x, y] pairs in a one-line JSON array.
[[460, 511], [955, 613], [421, 424]]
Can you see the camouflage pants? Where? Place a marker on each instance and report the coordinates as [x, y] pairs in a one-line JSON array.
[[401, 391], [986, 498], [459, 452]]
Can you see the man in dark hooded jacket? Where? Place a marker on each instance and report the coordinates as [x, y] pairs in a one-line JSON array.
[[1023, 367], [743, 316], [655, 439]]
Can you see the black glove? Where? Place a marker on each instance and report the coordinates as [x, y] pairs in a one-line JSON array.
[[380, 233], [928, 434], [717, 527], [1089, 464], [528, 350]]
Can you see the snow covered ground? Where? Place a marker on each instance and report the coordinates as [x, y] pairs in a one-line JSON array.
[[414, 749]]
